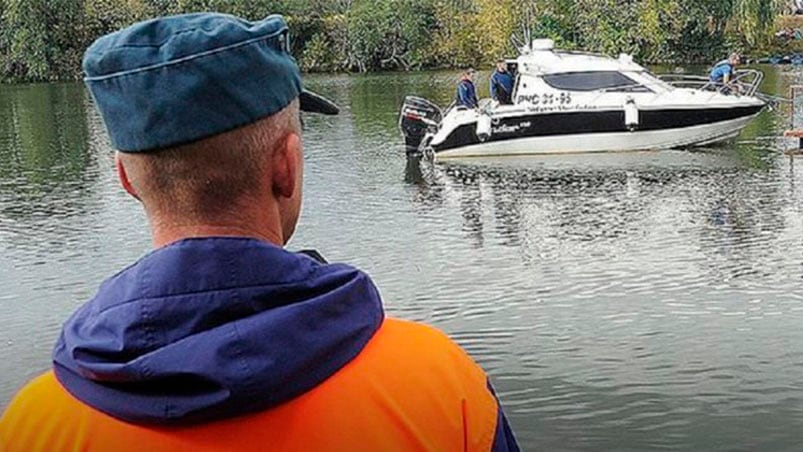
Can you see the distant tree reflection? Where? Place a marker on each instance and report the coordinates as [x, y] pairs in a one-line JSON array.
[[45, 162]]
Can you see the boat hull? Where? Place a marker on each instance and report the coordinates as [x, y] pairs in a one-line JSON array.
[[667, 138]]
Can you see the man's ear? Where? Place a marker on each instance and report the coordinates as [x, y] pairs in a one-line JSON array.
[[124, 181], [286, 166]]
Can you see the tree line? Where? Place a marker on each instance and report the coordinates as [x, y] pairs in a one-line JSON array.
[[43, 40]]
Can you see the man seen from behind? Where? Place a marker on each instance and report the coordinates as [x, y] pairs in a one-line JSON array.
[[219, 338]]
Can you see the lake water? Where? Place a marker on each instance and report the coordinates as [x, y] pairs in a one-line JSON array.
[[632, 301]]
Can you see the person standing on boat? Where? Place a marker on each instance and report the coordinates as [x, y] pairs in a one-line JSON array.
[[220, 338], [502, 84], [722, 74], [466, 93]]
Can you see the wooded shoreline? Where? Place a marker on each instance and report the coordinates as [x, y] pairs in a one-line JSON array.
[[44, 40]]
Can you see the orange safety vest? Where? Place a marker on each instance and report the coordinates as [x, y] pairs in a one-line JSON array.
[[410, 389]]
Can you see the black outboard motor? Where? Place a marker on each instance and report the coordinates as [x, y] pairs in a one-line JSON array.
[[418, 116]]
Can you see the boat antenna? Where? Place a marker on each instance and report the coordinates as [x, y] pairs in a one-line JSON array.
[[528, 30], [523, 42], [518, 45]]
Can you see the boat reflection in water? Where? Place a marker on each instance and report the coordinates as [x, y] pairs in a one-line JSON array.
[[623, 301], [549, 205]]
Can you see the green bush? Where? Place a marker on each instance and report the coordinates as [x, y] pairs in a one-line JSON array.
[[317, 55]]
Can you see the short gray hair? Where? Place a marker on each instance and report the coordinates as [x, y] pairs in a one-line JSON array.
[[212, 176]]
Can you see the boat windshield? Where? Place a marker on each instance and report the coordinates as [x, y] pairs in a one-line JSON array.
[[612, 81]]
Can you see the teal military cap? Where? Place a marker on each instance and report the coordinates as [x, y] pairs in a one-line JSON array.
[[177, 79]]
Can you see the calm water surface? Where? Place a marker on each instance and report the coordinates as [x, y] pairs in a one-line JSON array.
[[630, 301]]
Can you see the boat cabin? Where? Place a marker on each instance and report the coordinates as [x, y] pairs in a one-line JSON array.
[[546, 78]]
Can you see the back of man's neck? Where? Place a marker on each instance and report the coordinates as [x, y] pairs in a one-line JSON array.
[[165, 235]]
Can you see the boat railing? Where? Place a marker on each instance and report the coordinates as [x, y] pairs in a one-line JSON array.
[[583, 53], [686, 81], [634, 88], [747, 81]]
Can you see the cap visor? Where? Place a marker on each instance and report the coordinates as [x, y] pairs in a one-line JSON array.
[[315, 103]]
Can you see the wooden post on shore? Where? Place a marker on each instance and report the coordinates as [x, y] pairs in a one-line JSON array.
[[795, 125], [795, 133]]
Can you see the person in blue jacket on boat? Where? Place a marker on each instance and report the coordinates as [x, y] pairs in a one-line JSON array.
[[722, 74], [466, 93], [502, 84]]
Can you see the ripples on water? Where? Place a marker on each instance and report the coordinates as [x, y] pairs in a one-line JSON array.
[[627, 301]]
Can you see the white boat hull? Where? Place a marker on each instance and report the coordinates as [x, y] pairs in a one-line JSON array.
[[604, 142]]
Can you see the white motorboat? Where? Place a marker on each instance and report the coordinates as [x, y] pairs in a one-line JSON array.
[[573, 102]]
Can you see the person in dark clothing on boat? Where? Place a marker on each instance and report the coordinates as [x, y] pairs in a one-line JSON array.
[[466, 93], [722, 74], [502, 84]]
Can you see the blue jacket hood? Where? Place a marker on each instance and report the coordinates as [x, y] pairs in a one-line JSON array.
[[212, 328]]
